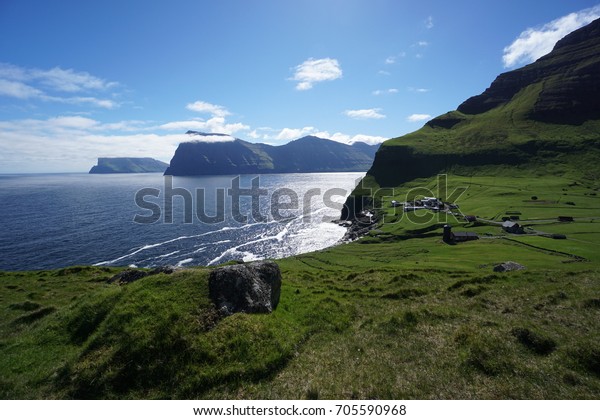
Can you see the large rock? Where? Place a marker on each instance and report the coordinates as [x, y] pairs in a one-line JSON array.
[[253, 288]]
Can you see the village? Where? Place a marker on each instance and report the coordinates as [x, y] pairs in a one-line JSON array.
[[510, 223]]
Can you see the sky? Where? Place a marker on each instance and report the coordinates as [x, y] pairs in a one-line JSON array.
[[86, 79]]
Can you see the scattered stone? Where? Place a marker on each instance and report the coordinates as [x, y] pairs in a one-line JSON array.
[[508, 266], [252, 288], [165, 269], [131, 274]]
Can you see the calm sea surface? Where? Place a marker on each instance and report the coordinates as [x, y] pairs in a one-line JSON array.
[[51, 221]]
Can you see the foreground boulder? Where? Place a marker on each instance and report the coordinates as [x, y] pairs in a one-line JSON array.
[[252, 288]]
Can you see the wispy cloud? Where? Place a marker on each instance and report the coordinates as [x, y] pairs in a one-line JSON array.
[[418, 90], [208, 108], [534, 43], [365, 114], [418, 117], [314, 71], [64, 80], [53, 85], [19, 90], [429, 22], [379, 92]]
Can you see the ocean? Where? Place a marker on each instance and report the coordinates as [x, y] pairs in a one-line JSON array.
[[148, 220]]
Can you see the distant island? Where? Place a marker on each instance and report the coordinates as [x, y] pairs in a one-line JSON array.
[[126, 165], [205, 156]]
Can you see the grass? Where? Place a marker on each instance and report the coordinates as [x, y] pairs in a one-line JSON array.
[[396, 315]]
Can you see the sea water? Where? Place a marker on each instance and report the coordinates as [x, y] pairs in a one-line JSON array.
[[147, 220]]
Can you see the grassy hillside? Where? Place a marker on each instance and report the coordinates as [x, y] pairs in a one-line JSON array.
[[497, 141], [397, 314]]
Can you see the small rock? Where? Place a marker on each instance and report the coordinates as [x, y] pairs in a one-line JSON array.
[[128, 276], [165, 269], [132, 274], [508, 266]]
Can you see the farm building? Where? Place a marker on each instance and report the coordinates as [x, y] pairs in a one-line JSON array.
[[454, 237], [512, 227]]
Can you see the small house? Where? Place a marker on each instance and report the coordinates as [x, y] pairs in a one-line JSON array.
[[464, 236], [512, 227], [470, 218], [565, 218], [396, 203], [454, 237]]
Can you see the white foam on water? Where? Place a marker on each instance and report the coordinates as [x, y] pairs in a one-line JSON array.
[[183, 262], [167, 255]]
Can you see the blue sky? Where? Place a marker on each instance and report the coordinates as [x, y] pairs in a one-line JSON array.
[[84, 79]]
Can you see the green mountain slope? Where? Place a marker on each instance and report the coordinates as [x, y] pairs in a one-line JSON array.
[[542, 118]]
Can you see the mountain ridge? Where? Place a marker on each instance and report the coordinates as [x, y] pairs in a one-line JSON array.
[[236, 156], [123, 165]]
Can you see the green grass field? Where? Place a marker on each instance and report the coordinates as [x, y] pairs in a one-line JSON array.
[[398, 314]]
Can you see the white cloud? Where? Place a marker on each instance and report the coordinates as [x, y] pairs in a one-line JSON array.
[[422, 44], [384, 73], [429, 22], [348, 139], [23, 83], [69, 80], [73, 143], [210, 139], [418, 90], [385, 92], [56, 78], [213, 125], [316, 70], [288, 134], [362, 114], [418, 117], [254, 134], [534, 43], [390, 60], [73, 122], [208, 108], [78, 100], [17, 89]]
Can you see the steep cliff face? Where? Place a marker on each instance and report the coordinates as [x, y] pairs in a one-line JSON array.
[[218, 158], [571, 84], [308, 154], [123, 165]]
